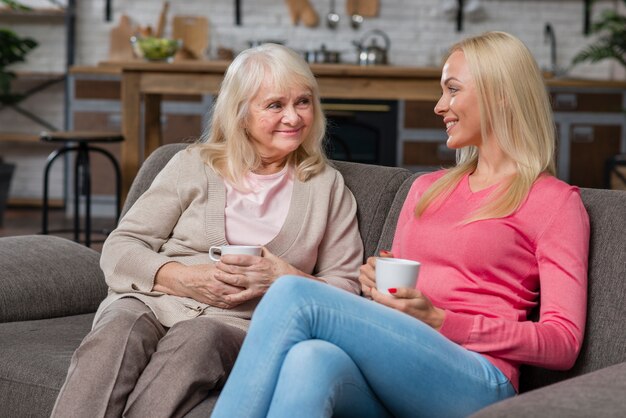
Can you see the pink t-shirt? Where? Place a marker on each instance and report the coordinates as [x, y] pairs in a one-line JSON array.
[[255, 217], [487, 274]]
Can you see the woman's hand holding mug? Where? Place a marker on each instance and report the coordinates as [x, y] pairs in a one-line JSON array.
[[367, 276]]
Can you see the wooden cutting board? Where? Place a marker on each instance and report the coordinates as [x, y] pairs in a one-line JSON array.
[[194, 32], [365, 8], [120, 48], [301, 10]]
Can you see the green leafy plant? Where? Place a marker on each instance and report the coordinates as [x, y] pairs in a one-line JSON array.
[[612, 42], [13, 49]]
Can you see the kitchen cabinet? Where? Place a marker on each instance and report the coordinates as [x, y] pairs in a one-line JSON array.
[[591, 128], [590, 123]]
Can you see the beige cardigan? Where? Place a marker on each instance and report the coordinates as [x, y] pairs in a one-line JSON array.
[[181, 216]]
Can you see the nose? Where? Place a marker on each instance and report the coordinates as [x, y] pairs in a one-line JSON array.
[[290, 115], [441, 106]]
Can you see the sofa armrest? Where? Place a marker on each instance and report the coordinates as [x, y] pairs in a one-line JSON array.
[[44, 276], [595, 394]]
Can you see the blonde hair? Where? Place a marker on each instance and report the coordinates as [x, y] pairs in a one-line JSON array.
[[225, 144], [515, 107]]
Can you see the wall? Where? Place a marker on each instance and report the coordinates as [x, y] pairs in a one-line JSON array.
[[419, 31]]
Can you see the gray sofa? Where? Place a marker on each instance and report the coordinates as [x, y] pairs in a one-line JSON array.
[[50, 287]]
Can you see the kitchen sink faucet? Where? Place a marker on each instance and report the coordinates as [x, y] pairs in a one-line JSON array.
[[550, 36]]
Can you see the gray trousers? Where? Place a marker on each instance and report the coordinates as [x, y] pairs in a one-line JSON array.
[[130, 365]]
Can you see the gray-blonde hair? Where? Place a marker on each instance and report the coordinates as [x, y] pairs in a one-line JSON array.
[[515, 107], [225, 145]]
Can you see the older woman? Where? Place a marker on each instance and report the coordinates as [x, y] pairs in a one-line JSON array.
[[497, 236], [171, 327]]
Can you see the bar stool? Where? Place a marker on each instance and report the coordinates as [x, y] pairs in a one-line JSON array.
[[80, 142]]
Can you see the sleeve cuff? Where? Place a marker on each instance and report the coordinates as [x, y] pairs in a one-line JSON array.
[[457, 327]]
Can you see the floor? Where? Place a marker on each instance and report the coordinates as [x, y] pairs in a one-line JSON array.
[[27, 221]]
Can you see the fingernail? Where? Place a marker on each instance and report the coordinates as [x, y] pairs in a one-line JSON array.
[[385, 252], [392, 290]]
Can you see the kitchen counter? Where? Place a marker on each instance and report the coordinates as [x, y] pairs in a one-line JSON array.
[[144, 83]]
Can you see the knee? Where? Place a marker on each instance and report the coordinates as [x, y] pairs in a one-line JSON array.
[[217, 341], [289, 290], [201, 333], [119, 324], [315, 362]]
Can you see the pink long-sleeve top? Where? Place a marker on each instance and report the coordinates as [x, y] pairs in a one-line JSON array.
[[488, 275]]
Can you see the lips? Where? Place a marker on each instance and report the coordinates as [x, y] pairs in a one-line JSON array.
[[289, 132], [450, 124]]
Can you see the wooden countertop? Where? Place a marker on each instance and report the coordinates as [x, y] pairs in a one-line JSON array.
[[220, 66], [322, 70]]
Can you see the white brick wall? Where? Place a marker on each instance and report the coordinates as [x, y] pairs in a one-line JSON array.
[[418, 30]]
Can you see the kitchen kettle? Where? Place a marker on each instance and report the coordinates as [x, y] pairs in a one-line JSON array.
[[372, 54]]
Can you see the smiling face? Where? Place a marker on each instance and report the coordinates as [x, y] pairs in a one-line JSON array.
[[279, 120], [458, 104]]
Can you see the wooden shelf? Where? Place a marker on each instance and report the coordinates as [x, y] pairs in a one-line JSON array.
[[18, 137], [55, 14], [33, 202]]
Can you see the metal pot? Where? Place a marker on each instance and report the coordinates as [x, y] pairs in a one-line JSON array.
[[372, 54], [322, 56], [259, 42]]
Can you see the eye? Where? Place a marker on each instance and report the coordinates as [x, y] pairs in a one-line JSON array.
[[275, 106], [452, 89], [303, 102]]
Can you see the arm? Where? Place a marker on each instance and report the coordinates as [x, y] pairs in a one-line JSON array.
[[130, 258], [555, 340], [341, 251]]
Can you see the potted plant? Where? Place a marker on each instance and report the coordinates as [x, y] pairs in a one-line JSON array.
[[12, 49], [612, 41]]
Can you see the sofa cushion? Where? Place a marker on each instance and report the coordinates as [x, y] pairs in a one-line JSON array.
[[34, 362], [148, 171], [46, 276], [599, 394], [389, 229], [372, 207]]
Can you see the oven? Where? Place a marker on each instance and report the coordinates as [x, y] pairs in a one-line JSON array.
[[363, 131]]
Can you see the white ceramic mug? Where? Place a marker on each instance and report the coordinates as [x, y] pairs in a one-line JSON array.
[[233, 249], [396, 273]]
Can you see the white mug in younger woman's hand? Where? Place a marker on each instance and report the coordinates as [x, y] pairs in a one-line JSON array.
[[233, 249], [396, 273]]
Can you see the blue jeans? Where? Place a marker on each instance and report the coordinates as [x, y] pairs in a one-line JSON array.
[[316, 351]]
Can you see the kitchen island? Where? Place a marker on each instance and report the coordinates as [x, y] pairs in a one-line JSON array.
[[143, 85]]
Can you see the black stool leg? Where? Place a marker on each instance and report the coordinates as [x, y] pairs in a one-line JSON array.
[[83, 176], [77, 180], [87, 192], [46, 179]]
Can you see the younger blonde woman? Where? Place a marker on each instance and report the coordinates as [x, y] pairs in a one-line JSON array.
[[493, 234]]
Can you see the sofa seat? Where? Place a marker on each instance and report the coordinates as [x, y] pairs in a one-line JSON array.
[[35, 358]]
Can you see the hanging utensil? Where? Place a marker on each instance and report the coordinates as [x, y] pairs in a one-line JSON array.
[[356, 19], [238, 12], [160, 28], [332, 18]]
